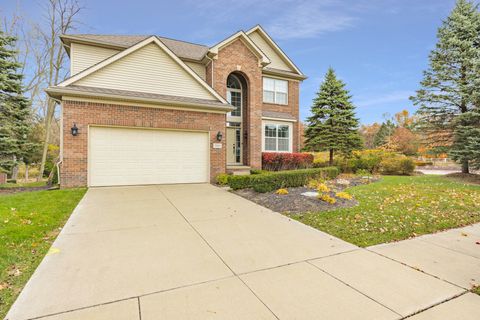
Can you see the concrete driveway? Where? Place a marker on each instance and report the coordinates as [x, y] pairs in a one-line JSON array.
[[200, 252]]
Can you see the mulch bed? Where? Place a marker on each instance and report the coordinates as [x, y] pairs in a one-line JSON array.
[[22, 189], [295, 202]]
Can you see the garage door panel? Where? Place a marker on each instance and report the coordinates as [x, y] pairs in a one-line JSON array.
[[120, 156]]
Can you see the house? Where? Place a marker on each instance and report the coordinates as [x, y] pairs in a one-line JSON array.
[[153, 110]]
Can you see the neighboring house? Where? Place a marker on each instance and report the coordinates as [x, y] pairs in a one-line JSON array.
[[152, 110]]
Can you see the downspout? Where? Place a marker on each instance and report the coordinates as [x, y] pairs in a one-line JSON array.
[[211, 62]]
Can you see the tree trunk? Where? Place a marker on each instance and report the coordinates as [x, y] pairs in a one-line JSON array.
[[330, 161], [26, 172], [465, 167], [48, 124], [15, 172]]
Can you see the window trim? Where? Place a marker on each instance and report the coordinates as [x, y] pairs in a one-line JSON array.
[[229, 91], [290, 135], [274, 91]]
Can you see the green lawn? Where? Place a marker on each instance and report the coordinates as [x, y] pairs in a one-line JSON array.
[[23, 184], [29, 222], [397, 208]]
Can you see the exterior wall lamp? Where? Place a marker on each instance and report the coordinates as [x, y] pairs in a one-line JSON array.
[[74, 130], [219, 136]]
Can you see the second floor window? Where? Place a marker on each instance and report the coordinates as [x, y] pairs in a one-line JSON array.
[[275, 91], [234, 95]]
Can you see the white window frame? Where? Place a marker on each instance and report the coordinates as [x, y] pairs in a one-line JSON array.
[[290, 135], [229, 91], [275, 80]]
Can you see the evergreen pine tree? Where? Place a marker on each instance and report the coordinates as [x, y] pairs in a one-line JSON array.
[[14, 107], [450, 85], [333, 126], [386, 130], [466, 146]]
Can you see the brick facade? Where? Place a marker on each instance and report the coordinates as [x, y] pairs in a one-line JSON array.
[[238, 58], [75, 149], [292, 108]]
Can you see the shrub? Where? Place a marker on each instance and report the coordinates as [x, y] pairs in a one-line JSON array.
[[323, 188], [240, 182], [274, 161], [281, 191], [399, 165], [281, 179], [222, 179], [343, 195], [326, 198], [420, 163], [360, 162], [313, 183], [53, 179], [363, 173], [259, 171]]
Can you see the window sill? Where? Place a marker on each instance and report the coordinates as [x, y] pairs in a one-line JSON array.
[[276, 104]]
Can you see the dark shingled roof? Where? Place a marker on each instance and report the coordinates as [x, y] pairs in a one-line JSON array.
[[182, 49], [161, 98]]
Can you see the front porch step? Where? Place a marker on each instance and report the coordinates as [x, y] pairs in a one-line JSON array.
[[239, 170]]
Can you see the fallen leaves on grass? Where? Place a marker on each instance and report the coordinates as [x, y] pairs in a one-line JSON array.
[[397, 208]]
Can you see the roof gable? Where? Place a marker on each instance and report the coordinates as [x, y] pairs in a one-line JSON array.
[[279, 60], [264, 60], [148, 66]]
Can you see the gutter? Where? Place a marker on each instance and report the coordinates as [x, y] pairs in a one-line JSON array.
[[55, 93]]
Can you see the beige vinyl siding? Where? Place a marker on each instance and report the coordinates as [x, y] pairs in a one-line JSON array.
[[83, 56], [198, 68], [276, 60], [148, 69]]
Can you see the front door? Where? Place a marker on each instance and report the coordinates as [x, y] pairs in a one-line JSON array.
[[234, 146]]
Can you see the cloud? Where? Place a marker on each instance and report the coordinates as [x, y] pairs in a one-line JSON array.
[[283, 19], [309, 19], [382, 99]]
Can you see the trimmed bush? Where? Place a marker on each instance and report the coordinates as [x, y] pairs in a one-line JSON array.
[[281, 179], [399, 165], [222, 179], [276, 161]]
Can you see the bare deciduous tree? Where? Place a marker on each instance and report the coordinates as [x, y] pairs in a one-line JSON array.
[[61, 18]]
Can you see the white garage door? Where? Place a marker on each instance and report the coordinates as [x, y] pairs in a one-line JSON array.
[[121, 156]]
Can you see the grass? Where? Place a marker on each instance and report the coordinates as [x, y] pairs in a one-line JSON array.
[[29, 222], [398, 208], [476, 290], [23, 184]]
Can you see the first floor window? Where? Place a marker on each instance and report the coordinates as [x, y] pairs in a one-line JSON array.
[[277, 137]]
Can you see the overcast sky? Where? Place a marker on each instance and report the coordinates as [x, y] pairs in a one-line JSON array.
[[378, 47]]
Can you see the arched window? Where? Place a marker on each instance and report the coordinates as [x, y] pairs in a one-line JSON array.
[[234, 94], [233, 82]]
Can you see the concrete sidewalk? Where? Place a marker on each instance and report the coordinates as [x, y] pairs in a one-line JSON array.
[[200, 252]]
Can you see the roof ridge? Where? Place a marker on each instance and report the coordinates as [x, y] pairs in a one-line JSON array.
[[133, 35]]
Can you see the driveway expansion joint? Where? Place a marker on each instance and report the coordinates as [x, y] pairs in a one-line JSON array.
[[351, 287], [435, 305], [447, 248], [419, 270], [198, 233]]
